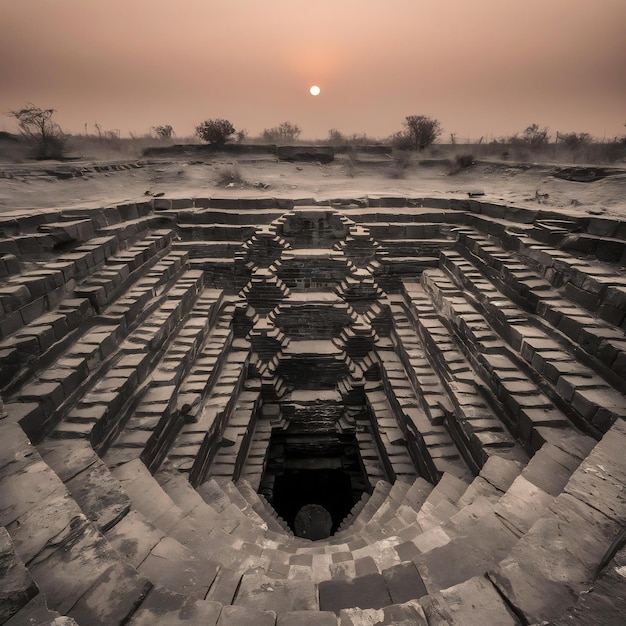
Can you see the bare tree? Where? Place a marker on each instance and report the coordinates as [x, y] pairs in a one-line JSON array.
[[163, 132], [533, 136], [283, 133], [422, 130], [43, 134]]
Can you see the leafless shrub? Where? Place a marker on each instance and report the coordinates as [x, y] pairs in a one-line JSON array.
[[282, 134], [422, 130], [164, 132], [44, 135]]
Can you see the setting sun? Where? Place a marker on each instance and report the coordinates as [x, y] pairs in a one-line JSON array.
[[315, 90]]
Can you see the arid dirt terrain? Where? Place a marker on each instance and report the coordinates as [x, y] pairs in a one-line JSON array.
[[43, 185]]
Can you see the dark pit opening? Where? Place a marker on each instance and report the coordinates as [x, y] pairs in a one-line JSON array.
[[328, 488], [321, 469]]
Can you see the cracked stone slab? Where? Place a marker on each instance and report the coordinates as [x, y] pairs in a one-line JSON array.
[[476, 602], [17, 586], [281, 596], [366, 592], [36, 613], [166, 608]]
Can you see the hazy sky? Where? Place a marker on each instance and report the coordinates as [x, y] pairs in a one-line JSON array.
[[482, 67]]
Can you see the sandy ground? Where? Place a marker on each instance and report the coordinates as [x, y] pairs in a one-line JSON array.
[[507, 183]]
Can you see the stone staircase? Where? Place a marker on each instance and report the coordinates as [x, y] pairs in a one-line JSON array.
[[481, 392]]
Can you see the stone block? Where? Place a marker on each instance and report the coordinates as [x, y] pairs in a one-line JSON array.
[[404, 582], [166, 607], [16, 584], [244, 616], [307, 618], [369, 591], [476, 602], [172, 565]]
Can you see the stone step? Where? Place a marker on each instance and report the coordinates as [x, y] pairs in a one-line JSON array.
[[26, 295], [237, 498], [591, 283], [17, 587], [474, 426], [521, 399], [121, 270], [203, 533], [255, 462], [356, 509], [262, 507], [38, 343], [601, 340], [217, 232], [226, 249], [387, 430], [502, 506], [130, 305], [553, 363], [235, 439], [163, 607], [148, 431], [77, 363], [427, 443], [37, 612], [604, 601], [46, 336], [258, 591], [143, 544], [107, 397], [67, 557], [552, 564], [396, 585], [378, 496], [411, 352], [199, 440]]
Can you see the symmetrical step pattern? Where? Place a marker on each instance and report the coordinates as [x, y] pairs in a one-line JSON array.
[[464, 363]]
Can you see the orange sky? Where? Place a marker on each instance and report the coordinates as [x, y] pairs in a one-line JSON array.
[[482, 67]]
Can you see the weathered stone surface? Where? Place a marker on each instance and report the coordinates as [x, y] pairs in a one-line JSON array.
[[470, 554], [307, 618], [404, 583], [81, 574], [476, 603], [243, 616], [134, 537], [16, 585], [175, 567], [436, 610], [365, 592], [361, 617], [99, 495], [36, 613], [166, 608], [605, 604], [522, 505], [280, 596], [554, 562]]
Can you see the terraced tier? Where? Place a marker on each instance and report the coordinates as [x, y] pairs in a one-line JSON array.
[[382, 411]]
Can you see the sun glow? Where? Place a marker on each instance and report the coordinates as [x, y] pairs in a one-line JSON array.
[[315, 90]]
